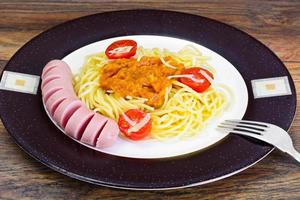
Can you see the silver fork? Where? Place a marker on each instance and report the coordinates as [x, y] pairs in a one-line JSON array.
[[269, 133]]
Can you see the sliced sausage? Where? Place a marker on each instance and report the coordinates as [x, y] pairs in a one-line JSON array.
[[65, 110], [48, 79], [55, 64], [58, 72], [47, 95], [58, 96], [93, 129], [108, 135], [57, 84], [70, 113], [60, 93], [78, 122], [54, 100]]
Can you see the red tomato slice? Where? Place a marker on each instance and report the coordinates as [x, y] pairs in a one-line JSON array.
[[199, 83], [121, 49], [135, 116]]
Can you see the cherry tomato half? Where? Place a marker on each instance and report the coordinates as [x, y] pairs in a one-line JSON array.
[[199, 83], [136, 116], [121, 49]]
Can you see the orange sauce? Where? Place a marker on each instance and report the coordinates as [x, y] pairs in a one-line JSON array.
[[146, 78]]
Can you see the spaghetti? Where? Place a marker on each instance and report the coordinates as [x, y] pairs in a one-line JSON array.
[[183, 113]]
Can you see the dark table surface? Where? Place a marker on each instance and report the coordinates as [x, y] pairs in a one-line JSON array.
[[275, 23]]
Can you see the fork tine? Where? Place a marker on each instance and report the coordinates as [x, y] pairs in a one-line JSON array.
[[239, 125], [234, 128], [259, 137], [248, 122]]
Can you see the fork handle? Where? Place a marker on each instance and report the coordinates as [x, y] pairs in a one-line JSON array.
[[295, 154]]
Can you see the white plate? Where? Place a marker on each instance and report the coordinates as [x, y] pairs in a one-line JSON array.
[[226, 74]]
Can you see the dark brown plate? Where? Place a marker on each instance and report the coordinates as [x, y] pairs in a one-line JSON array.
[[25, 119]]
